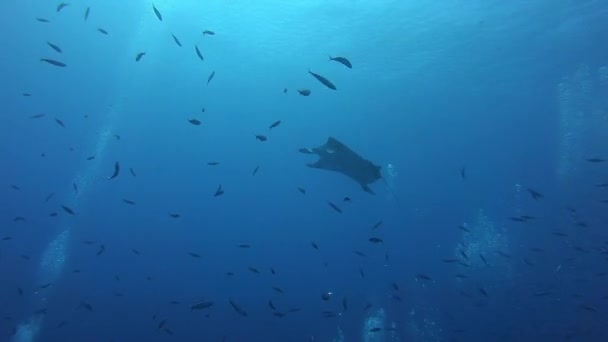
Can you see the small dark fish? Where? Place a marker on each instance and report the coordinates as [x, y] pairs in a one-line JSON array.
[[463, 228], [374, 330], [448, 261], [128, 201], [176, 40], [304, 92], [375, 240], [62, 6], [139, 56], [423, 276], [201, 305], [301, 190], [238, 308], [86, 306], [91, 158], [219, 191], [377, 225], [53, 214], [535, 194], [463, 173], [253, 270], [335, 207], [61, 324], [361, 254], [19, 219], [345, 303], [347, 199], [161, 324], [60, 123], [25, 257], [323, 80], [116, 136], [54, 47], [37, 116], [7, 238], [461, 276], [42, 20], [15, 187], [211, 76], [596, 160], [199, 54], [285, 90], [326, 296], [53, 62], [278, 290], [132, 172], [275, 124], [116, 171], [255, 170], [483, 291], [68, 210], [157, 12], [260, 137], [244, 245], [464, 255], [86, 13], [136, 252], [314, 245], [342, 61], [102, 248], [273, 271], [194, 255], [102, 31], [304, 150], [195, 122], [588, 308], [174, 215], [271, 305], [213, 163], [208, 33], [483, 259], [503, 254], [75, 187]]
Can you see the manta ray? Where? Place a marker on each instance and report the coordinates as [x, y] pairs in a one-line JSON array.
[[337, 157]]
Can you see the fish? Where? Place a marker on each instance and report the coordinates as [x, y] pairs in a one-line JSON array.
[[244, 245], [253, 270], [194, 255], [176, 40], [377, 225], [271, 305], [68, 210], [102, 31], [483, 259], [37, 116], [19, 219], [75, 187], [157, 13], [375, 240], [255, 170], [335, 207], [314, 245], [91, 158], [275, 124], [15, 187], [53, 62], [139, 56], [211, 76], [102, 248], [323, 80], [342, 60], [361, 273], [43, 20], [86, 13], [345, 303], [423, 276], [219, 191], [304, 92], [213, 163], [161, 324], [374, 330], [301, 190], [86, 306], [136, 252], [26, 95], [174, 215], [278, 290], [337, 157], [205, 304], [60, 123], [596, 160], [208, 33], [116, 171], [54, 47], [132, 172], [195, 122], [53, 214], [237, 308], [128, 201], [535, 194], [361, 254], [260, 137], [463, 173], [464, 228], [62, 6], [483, 291], [347, 199], [199, 54], [448, 261]]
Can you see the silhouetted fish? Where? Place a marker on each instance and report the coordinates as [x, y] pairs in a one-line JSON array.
[[139, 56], [219, 191], [304, 92], [199, 54], [53, 62], [323, 80], [116, 171], [54, 47], [102, 31], [211, 76], [341, 60], [157, 12]]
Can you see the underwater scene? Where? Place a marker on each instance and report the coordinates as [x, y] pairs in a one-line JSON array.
[[315, 171]]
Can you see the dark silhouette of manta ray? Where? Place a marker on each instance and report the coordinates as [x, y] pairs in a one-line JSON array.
[[337, 157]]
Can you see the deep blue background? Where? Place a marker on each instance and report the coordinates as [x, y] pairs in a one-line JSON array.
[[434, 88]]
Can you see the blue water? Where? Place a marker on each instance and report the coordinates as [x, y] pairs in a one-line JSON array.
[[514, 92]]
